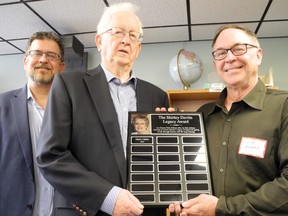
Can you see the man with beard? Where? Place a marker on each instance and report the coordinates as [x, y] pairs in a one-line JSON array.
[[23, 191]]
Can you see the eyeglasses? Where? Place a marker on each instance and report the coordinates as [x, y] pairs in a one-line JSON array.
[[236, 50], [120, 33], [37, 54]]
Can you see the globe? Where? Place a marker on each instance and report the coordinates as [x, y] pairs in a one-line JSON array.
[[185, 68]]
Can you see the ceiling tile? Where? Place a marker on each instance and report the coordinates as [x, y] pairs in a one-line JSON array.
[[160, 12], [6, 48], [17, 21], [163, 20], [207, 11], [167, 34], [207, 32], [79, 16], [21, 44], [9, 1], [273, 29], [278, 10]]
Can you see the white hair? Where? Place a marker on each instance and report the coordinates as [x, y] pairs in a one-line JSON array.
[[114, 9]]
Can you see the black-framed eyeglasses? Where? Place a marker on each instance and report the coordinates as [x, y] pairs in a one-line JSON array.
[[51, 56], [120, 33], [236, 50]]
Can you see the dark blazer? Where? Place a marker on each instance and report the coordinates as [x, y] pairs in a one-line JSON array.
[[80, 149], [17, 189]]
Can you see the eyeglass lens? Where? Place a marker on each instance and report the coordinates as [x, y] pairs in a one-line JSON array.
[[237, 50], [37, 54], [120, 33]]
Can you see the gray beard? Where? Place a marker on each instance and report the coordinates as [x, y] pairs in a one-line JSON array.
[[42, 81]]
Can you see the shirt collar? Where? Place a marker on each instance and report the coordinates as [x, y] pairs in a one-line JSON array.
[[29, 93], [255, 98], [110, 76]]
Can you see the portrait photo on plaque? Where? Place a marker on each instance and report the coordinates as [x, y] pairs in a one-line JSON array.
[[167, 157], [141, 123]]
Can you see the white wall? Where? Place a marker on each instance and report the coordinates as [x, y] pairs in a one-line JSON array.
[[153, 64], [12, 74]]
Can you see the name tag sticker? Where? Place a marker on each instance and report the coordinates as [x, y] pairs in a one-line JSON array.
[[252, 147]]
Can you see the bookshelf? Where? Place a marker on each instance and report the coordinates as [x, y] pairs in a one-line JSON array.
[[190, 100]]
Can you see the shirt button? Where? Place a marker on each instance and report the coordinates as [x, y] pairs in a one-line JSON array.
[[228, 120], [224, 143], [221, 170]]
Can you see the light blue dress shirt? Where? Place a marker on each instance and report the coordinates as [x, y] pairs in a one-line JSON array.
[[124, 99], [44, 191]]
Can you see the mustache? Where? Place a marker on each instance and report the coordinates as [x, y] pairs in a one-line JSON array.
[[42, 66]]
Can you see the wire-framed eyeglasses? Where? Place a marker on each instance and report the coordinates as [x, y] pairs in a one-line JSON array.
[[51, 56], [120, 33], [236, 50]]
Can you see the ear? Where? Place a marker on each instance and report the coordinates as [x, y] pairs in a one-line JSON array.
[[139, 49], [259, 56], [62, 67], [98, 42], [25, 61]]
